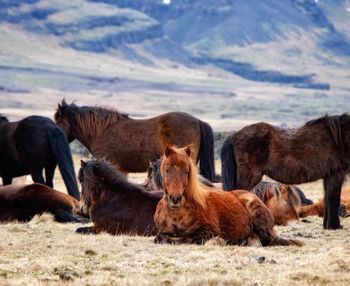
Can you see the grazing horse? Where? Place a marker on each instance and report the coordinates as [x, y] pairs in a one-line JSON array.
[[130, 144], [114, 204], [318, 208], [319, 149], [284, 201], [32, 144], [23, 202], [192, 212]]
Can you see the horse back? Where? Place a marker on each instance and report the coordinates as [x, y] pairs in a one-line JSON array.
[[132, 143], [43, 198], [22, 202], [226, 209]]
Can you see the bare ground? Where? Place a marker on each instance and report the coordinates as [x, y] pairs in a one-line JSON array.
[[43, 252]]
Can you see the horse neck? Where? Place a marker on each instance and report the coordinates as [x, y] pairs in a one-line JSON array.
[[88, 135], [196, 193]]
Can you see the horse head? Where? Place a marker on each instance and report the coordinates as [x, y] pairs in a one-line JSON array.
[[180, 178], [89, 189], [62, 118]]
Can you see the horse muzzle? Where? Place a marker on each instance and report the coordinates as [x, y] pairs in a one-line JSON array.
[[175, 201]]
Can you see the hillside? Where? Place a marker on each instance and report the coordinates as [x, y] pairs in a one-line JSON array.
[[229, 62]]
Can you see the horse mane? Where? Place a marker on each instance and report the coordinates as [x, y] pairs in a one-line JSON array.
[[96, 118], [156, 174], [334, 123], [196, 191], [265, 190], [294, 198], [108, 174]]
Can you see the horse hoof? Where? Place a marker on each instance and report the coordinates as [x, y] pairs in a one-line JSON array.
[[333, 227], [160, 239], [305, 220], [83, 230]]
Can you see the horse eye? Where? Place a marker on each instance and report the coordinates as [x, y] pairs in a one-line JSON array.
[[167, 170]]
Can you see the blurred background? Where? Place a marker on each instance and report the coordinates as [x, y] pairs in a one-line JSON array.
[[229, 62]]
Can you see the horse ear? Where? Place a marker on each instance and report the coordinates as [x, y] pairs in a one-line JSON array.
[[63, 103], [82, 163], [168, 151], [188, 151]]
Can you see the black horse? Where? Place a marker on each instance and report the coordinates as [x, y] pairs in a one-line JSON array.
[[32, 144]]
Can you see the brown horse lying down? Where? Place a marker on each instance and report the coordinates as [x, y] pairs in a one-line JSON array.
[[115, 205], [191, 212], [284, 201], [23, 202], [318, 208]]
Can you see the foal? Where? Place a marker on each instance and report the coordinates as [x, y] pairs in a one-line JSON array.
[[191, 212], [114, 204]]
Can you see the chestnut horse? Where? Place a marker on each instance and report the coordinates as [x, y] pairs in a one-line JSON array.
[[114, 204], [22, 202], [32, 144], [319, 149], [318, 208], [284, 201], [130, 144], [192, 212]]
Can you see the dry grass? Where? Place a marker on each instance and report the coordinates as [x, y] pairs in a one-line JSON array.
[[43, 252]]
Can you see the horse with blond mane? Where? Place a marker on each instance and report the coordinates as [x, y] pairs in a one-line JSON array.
[[192, 212], [284, 201]]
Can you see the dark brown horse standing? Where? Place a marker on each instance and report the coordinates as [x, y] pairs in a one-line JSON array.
[[130, 144], [319, 149], [114, 204], [23, 202], [32, 144]]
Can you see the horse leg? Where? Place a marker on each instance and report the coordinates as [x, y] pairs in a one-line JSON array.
[[63, 216], [163, 237], [37, 176], [202, 235], [6, 180], [49, 173], [332, 187], [86, 230], [247, 179]]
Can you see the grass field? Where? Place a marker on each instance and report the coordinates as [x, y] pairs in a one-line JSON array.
[[43, 252]]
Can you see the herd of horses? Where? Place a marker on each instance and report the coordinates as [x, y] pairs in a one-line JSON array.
[[176, 203]]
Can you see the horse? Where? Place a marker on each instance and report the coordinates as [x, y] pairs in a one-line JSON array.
[[130, 144], [114, 204], [318, 149], [23, 202], [191, 212], [32, 144], [284, 201], [318, 208]]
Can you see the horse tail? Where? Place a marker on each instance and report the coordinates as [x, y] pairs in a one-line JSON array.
[[60, 148], [285, 242], [206, 152], [303, 198], [228, 165]]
